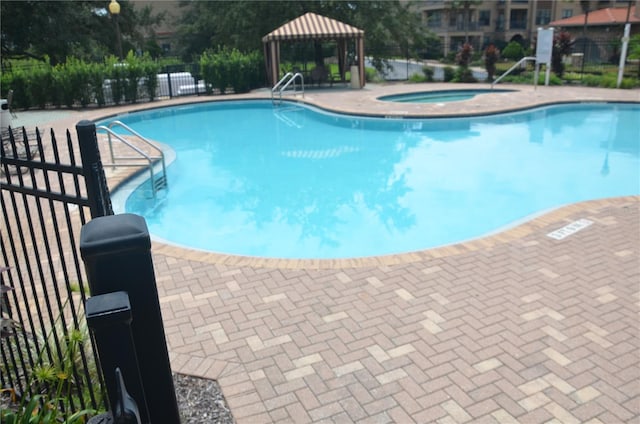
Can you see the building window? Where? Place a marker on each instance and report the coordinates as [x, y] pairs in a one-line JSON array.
[[434, 19], [500, 22], [518, 19], [484, 18], [453, 19], [166, 47], [543, 16], [567, 13]]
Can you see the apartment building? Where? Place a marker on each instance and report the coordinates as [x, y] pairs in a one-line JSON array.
[[498, 21], [164, 32]]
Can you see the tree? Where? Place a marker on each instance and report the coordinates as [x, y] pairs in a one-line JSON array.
[[513, 51], [242, 25], [491, 55], [59, 29], [562, 45]]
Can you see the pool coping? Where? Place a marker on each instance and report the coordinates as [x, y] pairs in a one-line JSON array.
[[516, 232], [505, 234]]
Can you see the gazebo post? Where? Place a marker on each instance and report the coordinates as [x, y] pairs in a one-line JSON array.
[[342, 57], [361, 60], [275, 62]]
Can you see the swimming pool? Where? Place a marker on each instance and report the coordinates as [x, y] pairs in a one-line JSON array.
[[297, 182], [441, 96]]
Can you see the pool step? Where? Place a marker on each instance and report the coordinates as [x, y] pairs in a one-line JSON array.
[[160, 183]]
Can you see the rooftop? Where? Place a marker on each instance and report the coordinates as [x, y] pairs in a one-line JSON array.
[[608, 16]]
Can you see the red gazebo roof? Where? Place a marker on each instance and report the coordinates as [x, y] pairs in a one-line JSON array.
[[603, 17]]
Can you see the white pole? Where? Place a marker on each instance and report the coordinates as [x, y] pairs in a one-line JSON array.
[[623, 53], [547, 75], [535, 76]]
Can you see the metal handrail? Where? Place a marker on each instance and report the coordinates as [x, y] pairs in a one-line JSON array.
[[140, 136], [282, 80], [287, 80], [150, 159], [524, 59]]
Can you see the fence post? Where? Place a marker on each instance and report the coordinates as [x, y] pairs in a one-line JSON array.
[[109, 318], [169, 81], [92, 170], [117, 254]]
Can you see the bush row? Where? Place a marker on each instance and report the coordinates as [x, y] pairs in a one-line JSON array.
[[227, 70], [608, 81], [77, 82]]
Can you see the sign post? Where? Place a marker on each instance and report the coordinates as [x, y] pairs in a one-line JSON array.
[[623, 53]]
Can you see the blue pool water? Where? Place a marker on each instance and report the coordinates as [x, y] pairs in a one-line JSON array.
[[441, 96], [296, 182]]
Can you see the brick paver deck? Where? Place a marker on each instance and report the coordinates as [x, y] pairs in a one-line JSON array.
[[515, 327]]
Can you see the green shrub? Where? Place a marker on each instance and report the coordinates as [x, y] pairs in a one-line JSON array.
[[40, 83], [463, 74], [19, 83], [591, 80], [428, 73], [117, 77], [231, 69], [450, 57], [449, 73], [97, 75], [73, 81], [417, 78], [527, 78], [150, 69], [133, 75], [371, 75], [513, 51]]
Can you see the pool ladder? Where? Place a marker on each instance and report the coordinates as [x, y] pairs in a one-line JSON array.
[[155, 164], [284, 83]]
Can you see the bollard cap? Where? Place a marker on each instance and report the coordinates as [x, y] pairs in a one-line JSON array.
[[111, 234], [107, 310]]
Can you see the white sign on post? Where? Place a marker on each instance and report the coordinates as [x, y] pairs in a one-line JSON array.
[[544, 48]]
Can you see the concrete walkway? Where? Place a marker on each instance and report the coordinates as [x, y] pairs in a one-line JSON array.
[[515, 327]]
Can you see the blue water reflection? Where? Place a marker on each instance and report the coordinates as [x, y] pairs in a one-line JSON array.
[[295, 182]]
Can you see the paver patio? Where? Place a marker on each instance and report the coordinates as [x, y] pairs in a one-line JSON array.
[[514, 327]]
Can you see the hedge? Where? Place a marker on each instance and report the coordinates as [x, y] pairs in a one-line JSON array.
[[77, 82], [230, 69]]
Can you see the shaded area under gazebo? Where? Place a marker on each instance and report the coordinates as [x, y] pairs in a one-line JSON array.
[[313, 27]]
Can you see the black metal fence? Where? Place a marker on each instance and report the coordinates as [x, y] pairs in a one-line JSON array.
[[47, 192]]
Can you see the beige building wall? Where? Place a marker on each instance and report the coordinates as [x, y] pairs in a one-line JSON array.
[[498, 20], [165, 32]]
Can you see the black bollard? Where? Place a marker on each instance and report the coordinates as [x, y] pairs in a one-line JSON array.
[[117, 254]]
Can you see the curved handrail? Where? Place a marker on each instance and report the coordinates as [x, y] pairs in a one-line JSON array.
[[150, 159], [145, 140], [282, 80], [292, 80], [141, 152], [524, 59], [285, 82]]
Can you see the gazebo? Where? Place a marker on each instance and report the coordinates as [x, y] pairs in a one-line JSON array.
[[311, 26]]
